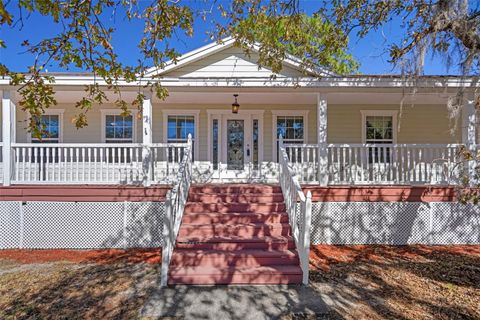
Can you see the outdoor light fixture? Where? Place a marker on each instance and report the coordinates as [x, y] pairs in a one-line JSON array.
[[235, 105]]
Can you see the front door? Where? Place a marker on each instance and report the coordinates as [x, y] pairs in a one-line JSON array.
[[236, 147]]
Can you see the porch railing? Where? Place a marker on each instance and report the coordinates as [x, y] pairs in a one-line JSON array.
[[378, 163], [175, 204], [105, 163], [299, 209]]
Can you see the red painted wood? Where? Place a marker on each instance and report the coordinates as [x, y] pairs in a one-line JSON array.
[[278, 274], [94, 193], [381, 193], [235, 234]]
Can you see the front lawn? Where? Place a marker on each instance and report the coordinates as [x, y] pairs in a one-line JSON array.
[[355, 282]]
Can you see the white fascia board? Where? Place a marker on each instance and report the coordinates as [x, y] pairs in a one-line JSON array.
[[304, 82]]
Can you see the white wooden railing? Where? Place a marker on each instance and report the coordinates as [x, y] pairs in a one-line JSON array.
[[299, 209], [378, 163], [106, 163], [175, 204]]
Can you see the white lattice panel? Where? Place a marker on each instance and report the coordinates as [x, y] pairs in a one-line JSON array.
[[455, 223], [80, 225], [10, 224], [86, 225], [370, 223], [145, 224]]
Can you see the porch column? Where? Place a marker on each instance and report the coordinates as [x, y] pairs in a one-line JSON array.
[[147, 139], [469, 130], [8, 132], [469, 122], [322, 139]]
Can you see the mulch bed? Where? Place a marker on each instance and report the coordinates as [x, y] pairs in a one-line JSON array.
[[108, 256]]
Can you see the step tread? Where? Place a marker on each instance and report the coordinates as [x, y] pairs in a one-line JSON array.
[[236, 203], [257, 270], [266, 239], [238, 253], [237, 225], [223, 194], [235, 214]]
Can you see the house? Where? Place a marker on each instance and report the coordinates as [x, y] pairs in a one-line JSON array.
[[346, 138]]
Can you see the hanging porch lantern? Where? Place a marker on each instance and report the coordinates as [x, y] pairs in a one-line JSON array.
[[235, 105]]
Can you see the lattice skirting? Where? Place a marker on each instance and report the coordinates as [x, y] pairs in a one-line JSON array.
[[82, 225], [90, 225], [395, 223]]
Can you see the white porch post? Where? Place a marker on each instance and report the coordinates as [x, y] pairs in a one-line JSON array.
[[469, 129], [147, 139], [322, 139], [469, 122], [8, 132]]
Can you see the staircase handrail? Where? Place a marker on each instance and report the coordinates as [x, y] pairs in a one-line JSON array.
[[299, 209], [176, 200]]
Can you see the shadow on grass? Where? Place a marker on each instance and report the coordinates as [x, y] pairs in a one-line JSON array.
[[401, 282], [78, 291]]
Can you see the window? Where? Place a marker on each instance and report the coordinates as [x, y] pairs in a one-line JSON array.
[[378, 128], [118, 129], [292, 130], [215, 143], [178, 129], [51, 126], [255, 144]]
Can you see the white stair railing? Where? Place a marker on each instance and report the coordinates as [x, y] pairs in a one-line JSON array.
[[299, 209], [175, 205]]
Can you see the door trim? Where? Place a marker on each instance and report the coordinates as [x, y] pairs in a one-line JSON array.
[[222, 115]]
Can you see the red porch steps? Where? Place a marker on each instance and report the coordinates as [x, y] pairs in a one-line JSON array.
[[235, 234]]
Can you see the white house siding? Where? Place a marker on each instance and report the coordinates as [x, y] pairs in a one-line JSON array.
[[203, 126], [420, 124], [229, 63], [90, 134], [417, 124]]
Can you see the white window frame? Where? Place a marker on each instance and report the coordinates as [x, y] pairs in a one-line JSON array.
[[52, 112], [379, 113], [287, 113], [117, 112], [193, 113]]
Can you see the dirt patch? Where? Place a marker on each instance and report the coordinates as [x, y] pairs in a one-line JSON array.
[[109, 289], [407, 282], [151, 256]]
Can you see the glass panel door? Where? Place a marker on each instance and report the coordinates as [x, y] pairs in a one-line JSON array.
[[235, 144]]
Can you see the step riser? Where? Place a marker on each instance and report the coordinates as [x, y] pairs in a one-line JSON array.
[[232, 208], [233, 246], [239, 190], [243, 232], [236, 279], [238, 261], [235, 198], [234, 219]]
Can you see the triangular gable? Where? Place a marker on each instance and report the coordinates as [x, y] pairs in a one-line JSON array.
[[223, 60]]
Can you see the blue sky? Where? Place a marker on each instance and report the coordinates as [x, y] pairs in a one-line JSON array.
[[369, 51]]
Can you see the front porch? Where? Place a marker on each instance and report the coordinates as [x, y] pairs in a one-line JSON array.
[[123, 164], [325, 135]]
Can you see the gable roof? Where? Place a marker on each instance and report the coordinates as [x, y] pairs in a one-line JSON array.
[[208, 50]]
